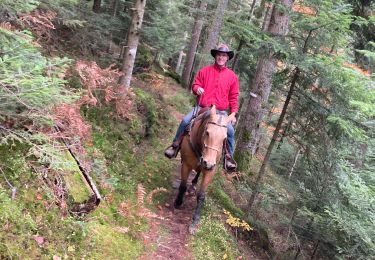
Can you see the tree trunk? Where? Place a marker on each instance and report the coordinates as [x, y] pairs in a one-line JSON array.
[[213, 33], [132, 43], [273, 141], [294, 162], [239, 48], [259, 91], [96, 6], [115, 7], [177, 69], [267, 16], [315, 249], [197, 29]]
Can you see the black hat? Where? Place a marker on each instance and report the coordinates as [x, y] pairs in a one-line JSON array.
[[222, 48]]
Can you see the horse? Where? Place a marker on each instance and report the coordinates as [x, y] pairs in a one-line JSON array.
[[201, 150]]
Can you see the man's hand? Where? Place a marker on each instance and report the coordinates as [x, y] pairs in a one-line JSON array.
[[200, 91], [232, 118]]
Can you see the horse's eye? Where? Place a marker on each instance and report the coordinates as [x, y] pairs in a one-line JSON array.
[[207, 133]]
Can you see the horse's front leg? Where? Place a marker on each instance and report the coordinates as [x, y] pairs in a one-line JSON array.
[[183, 185], [201, 196], [194, 182]]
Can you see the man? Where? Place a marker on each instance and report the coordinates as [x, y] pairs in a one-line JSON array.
[[214, 85]]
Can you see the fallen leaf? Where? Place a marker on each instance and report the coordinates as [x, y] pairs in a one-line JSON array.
[[39, 239], [122, 230]]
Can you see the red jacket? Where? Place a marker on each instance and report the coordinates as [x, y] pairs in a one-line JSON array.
[[220, 86]]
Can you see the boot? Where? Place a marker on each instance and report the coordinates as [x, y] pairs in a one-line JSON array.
[[172, 151], [230, 164]]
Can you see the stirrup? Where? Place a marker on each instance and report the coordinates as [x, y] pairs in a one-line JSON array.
[[168, 153], [231, 168]]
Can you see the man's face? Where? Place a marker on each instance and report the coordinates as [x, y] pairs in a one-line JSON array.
[[221, 58]]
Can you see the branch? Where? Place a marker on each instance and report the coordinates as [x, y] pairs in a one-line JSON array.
[[14, 189]]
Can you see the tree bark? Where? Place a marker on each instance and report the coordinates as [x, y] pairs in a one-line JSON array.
[[115, 4], [213, 33], [239, 48], [132, 43], [294, 162], [315, 250], [96, 6], [259, 91], [267, 17], [180, 56], [197, 29]]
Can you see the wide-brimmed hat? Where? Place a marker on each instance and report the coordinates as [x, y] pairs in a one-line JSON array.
[[222, 48]]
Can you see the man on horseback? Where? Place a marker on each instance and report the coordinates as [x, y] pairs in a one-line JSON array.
[[214, 85]]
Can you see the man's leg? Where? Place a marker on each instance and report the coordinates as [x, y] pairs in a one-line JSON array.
[[230, 138], [172, 150], [230, 164]]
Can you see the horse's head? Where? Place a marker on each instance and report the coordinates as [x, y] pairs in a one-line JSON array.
[[213, 137]]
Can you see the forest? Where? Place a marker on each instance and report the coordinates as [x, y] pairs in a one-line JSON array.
[[92, 92]]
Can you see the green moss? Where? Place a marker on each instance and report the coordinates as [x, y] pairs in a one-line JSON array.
[[225, 201], [182, 101], [78, 190], [213, 240], [109, 243], [243, 161]]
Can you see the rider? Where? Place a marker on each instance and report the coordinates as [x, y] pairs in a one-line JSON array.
[[214, 85]]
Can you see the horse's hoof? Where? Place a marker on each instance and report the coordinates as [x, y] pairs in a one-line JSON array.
[[177, 205], [193, 229], [192, 189]]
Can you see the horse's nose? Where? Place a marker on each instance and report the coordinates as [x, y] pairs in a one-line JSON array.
[[208, 166]]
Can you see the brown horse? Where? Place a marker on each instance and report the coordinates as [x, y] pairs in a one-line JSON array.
[[201, 150]]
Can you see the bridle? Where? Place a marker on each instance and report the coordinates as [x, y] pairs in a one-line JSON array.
[[211, 147]]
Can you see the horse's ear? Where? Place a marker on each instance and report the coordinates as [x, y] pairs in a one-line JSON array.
[[213, 111]]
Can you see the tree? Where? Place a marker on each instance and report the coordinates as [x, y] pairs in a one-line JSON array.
[[213, 32], [260, 89], [195, 35], [96, 6], [132, 43]]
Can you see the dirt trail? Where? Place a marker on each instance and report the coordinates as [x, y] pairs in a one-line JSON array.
[[170, 232]]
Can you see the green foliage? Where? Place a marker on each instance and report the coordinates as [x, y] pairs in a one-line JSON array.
[[12, 7], [144, 57], [224, 200], [146, 105], [165, 27], [29, 90]]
